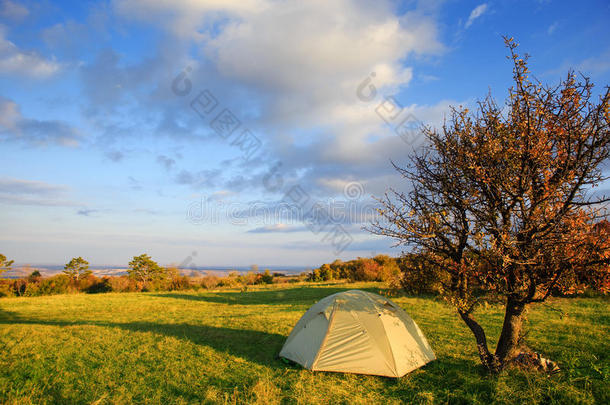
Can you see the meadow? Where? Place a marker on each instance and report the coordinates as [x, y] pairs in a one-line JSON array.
[[221, 347]]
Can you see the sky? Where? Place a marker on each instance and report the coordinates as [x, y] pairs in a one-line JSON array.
[[239, 132]]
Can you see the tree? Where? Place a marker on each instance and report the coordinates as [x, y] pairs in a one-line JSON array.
[[501, 202], [77, 268], [143, 269], [35, 276], [267, 277], [5, 264]]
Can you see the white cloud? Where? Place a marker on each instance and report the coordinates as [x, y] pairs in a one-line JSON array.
[[476, 13], [308, 59], [9, 114], [30, 192], [15, 127], [185, 18], [596, 64], [18, 62], [552, 28], [298, 66], [13, 11]]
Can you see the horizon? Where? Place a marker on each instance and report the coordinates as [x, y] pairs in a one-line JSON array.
[[242, 133], [261, 267]]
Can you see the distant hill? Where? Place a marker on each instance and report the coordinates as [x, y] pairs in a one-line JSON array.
[[48, 270]]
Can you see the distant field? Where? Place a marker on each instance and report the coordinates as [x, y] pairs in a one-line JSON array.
[[221, 347]]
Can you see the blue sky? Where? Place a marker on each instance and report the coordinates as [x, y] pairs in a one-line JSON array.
[[108, 153]]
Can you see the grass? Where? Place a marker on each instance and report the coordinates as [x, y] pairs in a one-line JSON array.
[[221, 347]]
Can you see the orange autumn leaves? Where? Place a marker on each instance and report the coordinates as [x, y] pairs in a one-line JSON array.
[[503, 200]]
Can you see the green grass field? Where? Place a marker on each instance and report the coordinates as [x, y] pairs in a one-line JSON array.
[[221, 347]]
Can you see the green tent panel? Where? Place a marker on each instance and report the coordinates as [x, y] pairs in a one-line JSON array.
[[358, 332]]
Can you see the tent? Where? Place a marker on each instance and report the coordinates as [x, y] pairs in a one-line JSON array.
[[357, 332]]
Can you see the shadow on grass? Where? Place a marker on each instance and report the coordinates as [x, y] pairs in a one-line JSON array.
[[255, 346], [448, 374], [292, 296]]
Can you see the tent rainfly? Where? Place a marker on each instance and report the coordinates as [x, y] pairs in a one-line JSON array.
[[357, 332]]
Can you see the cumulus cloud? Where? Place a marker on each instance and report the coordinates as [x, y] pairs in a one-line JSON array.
[[187, 17], [15, 127], [15, 61], [290, 71], [477, 12]]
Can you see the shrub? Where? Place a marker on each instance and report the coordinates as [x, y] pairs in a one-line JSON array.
[[367, 270], [210, 281], [85, 282], [99, 285], [266, 277], [35, 277], [417, 277], [59, 284], [250, 278], [29, 289], [6, 289], [122, 284], [176, 281], [19, 286], [232, 280], [326, 273], [379, 268]]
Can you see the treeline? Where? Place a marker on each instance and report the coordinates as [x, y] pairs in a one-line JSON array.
[[378, 268], [408, 272], [143, 274], [416, 273]]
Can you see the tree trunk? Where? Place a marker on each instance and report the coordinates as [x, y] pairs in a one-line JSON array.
[[511, 331], [488, 360]]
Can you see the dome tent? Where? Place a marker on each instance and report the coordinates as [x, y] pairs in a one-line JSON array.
[[357, 332]]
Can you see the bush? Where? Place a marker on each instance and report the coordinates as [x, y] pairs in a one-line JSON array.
[[6, 289], [35, 277], [86, 282], [19, 286], [417, 277], [367, 270], [210, 281], [379, 268], [99, 285], [232, 280], [122, 284], [59, 284], [250, 278], [176, 281], [266, 277]]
